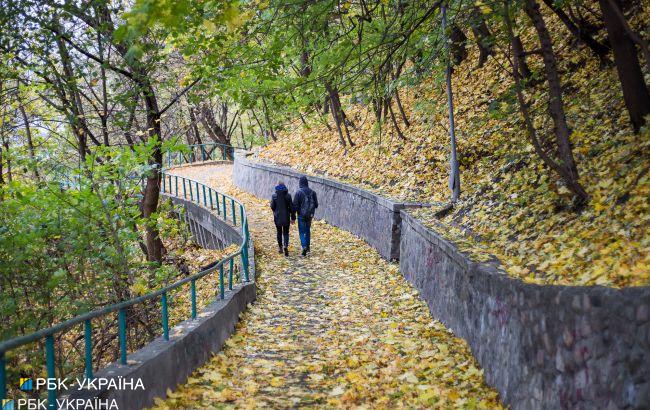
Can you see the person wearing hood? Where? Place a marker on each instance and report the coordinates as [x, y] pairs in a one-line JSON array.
[[282, 207], [305, 203]]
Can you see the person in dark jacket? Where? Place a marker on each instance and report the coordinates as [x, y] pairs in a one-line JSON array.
[[282, 207], [305, 203]]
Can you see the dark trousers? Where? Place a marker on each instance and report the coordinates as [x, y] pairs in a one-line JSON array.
[[282, 232]]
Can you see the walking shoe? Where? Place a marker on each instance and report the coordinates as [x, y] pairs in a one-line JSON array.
[[304, 252], [279, 249], [286, 251], [308, 249]]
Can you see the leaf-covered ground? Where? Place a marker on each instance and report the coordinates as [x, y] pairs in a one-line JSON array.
[[207, 288], [513, 206], [339, 328]]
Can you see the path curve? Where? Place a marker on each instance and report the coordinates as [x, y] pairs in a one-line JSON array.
[[339, 328]]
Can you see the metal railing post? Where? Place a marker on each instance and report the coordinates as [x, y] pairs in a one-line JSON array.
[[165, 316], [176, 182], [203, 152], [121, 316], [51, 374], [232, 267], [234, 214], [205, 202], [184, 190], [210, 195], [225, 214], [222, 288], [245, 252], [88, 342], [193, 297], [3, 377]]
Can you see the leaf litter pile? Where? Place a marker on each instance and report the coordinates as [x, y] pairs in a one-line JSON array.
[[339, 328]]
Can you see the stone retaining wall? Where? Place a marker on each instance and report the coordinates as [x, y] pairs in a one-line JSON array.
[[369, 216], [208, 230], [162, 364], [540, 346]]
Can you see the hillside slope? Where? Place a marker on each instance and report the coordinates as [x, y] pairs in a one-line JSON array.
[[511, 204]]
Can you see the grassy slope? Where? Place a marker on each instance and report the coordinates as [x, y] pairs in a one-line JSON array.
[[519, 210]]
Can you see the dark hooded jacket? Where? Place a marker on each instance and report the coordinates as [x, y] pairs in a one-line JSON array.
[[282, 206], [301, 194]]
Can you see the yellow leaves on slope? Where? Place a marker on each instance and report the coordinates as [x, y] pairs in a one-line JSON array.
[[140, 287], [341, 328], [518, 210]]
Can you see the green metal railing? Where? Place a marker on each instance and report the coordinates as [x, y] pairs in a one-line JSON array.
[[202, 152], [196, 192]]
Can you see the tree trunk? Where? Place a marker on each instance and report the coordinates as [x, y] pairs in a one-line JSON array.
[[102, 23], [212, 126], [69, 99], [633, 35], [302, 118], [102, 70], [326, 105], [335, 113], [268, 119], [518, 51], [127, 134], [598, 49], [343, 119], [152, 189], [401, 109], [195, 127], [555, 105], [392, 116], [564, 165], [377, 106], [2, 137], [259, 124], [30, 142], [454, 172], [635, 91], [241, 130], [2, 177], [5, 143], [458, 45], [305, 67], [482, 35]]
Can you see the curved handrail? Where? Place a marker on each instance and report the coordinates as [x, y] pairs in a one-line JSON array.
[[207, 152], [196, 188]]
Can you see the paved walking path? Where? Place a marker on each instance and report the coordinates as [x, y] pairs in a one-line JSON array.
[[338, 328]]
